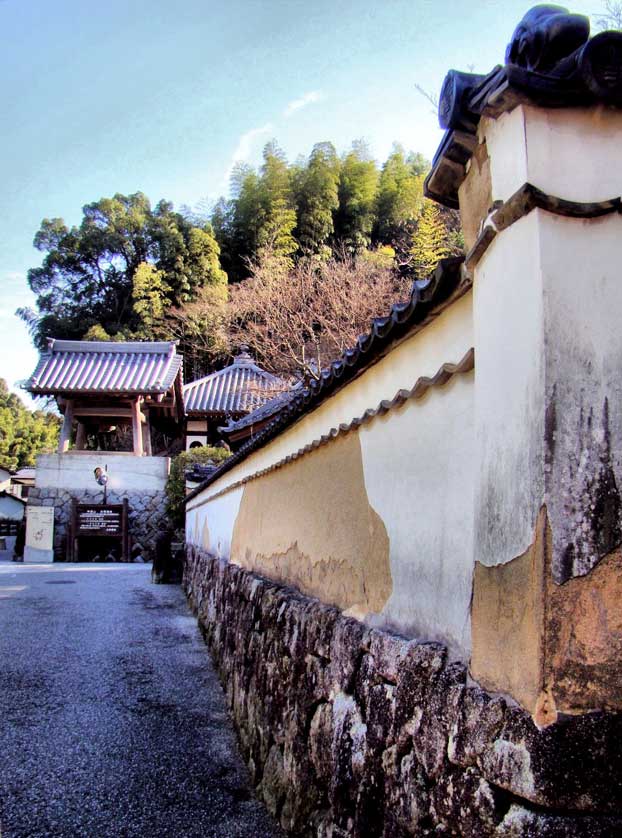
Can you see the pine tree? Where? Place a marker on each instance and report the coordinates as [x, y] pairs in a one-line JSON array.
[[429, 242]]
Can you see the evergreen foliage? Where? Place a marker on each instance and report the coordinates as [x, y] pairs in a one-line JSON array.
[[430, 241], [119, 271], [341, 205], [176, 483], [133, 272], [24, 433]]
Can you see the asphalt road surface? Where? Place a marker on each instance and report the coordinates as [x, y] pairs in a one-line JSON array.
[[112, 721]]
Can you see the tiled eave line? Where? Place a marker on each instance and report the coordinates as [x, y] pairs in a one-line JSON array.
[[588, 76], [421, 387], [522, 202], [427, 299]]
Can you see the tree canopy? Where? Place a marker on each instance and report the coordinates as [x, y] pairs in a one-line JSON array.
[[24, 433], [132, 272], [119, 271], [322, 206]]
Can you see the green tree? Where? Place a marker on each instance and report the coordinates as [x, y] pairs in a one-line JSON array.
[[399, 199], [87, 277], [278, 217], [246, 218], [24, 433], [176, 483], [358, 181], [430, 240], [317, 199], [150, 301]]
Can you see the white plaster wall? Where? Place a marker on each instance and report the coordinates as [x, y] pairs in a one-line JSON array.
[[11, 509], [419, 467], [509, 387], [193, 438], [505, 141], [210, 525], [418, 464], [446, 340], [581, 262], [570, 153], [126, 472], [199, 425]]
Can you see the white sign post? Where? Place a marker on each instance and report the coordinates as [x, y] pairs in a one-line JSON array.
[[39, 534]]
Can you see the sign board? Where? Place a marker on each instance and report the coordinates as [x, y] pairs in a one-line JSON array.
[[90, 521], [97, 519], [39, 534]]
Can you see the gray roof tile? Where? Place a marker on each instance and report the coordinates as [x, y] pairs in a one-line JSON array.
[[236, 389], [80, 366]]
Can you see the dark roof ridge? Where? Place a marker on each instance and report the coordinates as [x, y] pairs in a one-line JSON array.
[[427, 298], [551, 61], [160, 347]]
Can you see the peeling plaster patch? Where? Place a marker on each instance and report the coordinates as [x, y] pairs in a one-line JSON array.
[[584, 638], [507, 623], [310, 524]]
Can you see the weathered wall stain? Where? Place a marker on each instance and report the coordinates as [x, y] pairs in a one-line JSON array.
[[310, 524], [590, 528]]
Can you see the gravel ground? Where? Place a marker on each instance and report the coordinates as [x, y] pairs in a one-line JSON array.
[[112, 720]]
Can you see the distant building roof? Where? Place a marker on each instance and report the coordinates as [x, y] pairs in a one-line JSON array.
[[11, 496], [24, 474], [264, 412], [236, 389], [78, 366]]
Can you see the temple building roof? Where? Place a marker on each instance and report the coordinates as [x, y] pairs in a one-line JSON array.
[[99, 367], [233, 391]]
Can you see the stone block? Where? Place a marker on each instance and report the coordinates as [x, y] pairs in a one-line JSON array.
[[350, 732]]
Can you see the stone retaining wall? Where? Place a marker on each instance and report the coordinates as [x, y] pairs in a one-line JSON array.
[[348, 731], [147, 514]]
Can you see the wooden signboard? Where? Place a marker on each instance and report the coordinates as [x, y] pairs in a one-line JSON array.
[[99, 520]]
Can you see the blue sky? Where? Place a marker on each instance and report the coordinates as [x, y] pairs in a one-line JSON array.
[[163, 97]]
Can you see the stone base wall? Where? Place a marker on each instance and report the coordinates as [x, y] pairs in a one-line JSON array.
[[147, 514], [352, 732]]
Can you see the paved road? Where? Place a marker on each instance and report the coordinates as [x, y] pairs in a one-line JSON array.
[[112, 721]]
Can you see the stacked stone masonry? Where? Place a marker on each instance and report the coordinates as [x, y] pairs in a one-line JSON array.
[[349, 731], [147, 514]]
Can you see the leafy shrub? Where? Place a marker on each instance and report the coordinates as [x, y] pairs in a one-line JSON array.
[[176, 483]]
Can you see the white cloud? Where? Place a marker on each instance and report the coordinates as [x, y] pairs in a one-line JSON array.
[[247, 141], [310, 98], [244, 149]]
